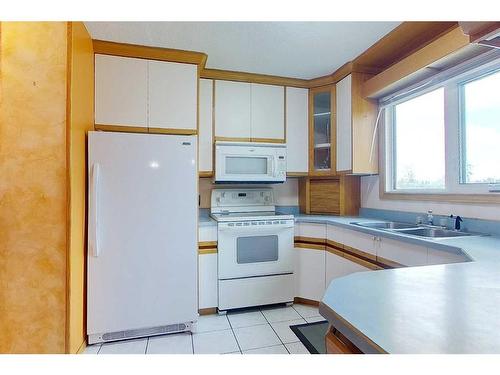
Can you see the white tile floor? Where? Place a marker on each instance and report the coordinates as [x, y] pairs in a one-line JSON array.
[[256, 331]]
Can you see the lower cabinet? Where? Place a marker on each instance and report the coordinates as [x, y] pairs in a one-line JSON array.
[[400, 253], [360, 243], [338, 266], [207, 281], [309, 273]]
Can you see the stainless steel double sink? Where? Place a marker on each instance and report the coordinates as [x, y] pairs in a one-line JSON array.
[[413, 229]]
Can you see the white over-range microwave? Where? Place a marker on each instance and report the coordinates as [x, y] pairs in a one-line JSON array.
[[240, 162]]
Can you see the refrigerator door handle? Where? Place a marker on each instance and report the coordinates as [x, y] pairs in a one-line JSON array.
[[94, 210]]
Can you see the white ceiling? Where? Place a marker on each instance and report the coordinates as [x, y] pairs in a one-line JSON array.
[[291, 49]]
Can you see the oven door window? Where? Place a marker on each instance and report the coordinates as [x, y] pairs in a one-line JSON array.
[[246, 165], [256, 249]]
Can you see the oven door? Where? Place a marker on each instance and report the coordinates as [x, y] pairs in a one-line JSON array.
[[255, 248]]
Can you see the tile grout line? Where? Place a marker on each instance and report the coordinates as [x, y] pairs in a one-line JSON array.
[[276, 333], [234, 335]]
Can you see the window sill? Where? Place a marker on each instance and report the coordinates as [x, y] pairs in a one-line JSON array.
[[492, 198]]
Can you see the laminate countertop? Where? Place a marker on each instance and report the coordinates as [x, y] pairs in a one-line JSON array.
[[452, 308]]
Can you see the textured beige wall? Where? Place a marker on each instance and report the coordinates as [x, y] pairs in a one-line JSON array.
[[33, 200]]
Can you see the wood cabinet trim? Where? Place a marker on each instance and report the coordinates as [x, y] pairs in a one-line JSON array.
[[207, 251], [448, 43], [389, 263], [228, 75], [306, 301], [310, 240], [336, 343], [309, 246], [207, 247], [121, 128], [141, 129], [296, 174], [150, 53], [267, 140], [208, 311], [232, 139], [172, 131], [359, 253], [205, 174], [203, 244]]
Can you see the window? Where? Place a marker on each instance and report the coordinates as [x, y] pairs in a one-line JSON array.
[[480, 156], [419, 159], [444, 138]]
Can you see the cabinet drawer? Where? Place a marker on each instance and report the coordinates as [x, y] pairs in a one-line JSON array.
[[207, 234], [311, 231]]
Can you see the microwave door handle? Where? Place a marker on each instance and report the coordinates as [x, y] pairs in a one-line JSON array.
[[275, 166]]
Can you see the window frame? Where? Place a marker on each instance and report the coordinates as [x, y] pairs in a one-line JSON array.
[[455, 189]]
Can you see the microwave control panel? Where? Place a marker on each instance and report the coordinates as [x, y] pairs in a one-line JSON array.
[[281, 170]]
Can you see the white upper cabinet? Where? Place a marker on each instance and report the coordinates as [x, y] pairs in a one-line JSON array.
[[344, 128], [232, 109], [249, 111], [173, 94], [268, 112], [121, 91], [205, 128], [297, 139], [356, 145]]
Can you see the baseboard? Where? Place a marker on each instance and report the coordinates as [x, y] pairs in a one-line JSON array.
[[208, 311], [305, 301]]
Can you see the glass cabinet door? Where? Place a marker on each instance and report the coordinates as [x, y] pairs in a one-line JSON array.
[[322, 127]]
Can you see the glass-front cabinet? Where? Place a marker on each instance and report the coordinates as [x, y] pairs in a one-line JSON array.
[[321, 131]]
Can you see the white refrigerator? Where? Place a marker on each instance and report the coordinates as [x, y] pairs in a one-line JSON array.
[[142, 235]]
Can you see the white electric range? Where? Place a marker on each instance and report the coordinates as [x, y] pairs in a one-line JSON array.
[[255, 248]]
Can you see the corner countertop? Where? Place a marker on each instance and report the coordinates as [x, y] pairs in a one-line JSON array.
[[451, 308]]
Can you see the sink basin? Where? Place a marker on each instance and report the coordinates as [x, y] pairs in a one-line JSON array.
[[435, 233], [386, 225]]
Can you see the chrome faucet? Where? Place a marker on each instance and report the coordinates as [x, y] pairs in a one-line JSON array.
[[458, 220], [430, 218]]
